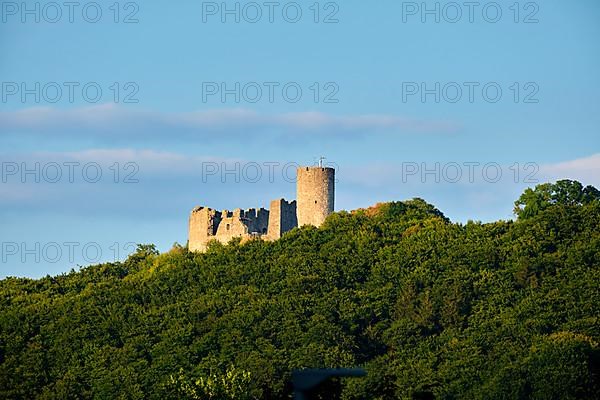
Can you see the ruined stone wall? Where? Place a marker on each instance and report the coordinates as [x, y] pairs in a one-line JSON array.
[[257, 220], [289, 219], [207, 224], [231, 226], [315, 191], [202, 226], [282, 218]]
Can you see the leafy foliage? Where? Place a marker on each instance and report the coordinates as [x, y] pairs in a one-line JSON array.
[[431, 309], [234, 385], [565, 192]]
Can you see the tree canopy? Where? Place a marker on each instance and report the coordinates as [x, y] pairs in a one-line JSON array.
[[564, 192]]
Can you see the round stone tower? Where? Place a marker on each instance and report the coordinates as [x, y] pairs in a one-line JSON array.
[[315, 194]]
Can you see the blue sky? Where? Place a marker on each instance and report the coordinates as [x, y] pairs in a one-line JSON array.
[[375, 133]]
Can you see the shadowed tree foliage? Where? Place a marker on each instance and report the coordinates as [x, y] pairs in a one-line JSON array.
[[431, 309]]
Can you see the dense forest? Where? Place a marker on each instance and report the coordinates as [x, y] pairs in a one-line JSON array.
[[429, 308]]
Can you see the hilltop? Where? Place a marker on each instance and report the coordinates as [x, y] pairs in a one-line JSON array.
[[430, 308]]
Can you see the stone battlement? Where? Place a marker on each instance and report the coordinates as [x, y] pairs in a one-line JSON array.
[[315, 193]]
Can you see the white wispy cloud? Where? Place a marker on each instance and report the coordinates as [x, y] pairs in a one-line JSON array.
[[156, 183], [150, 163], [586, 170], [110, 120]]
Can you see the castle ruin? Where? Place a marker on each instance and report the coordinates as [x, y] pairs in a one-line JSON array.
[[315, 201]]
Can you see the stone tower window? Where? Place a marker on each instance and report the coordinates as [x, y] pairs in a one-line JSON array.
[[315, 202], [228, 227]]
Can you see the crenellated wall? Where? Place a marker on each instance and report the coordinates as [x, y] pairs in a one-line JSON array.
[[207, 224], [282, 218]]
